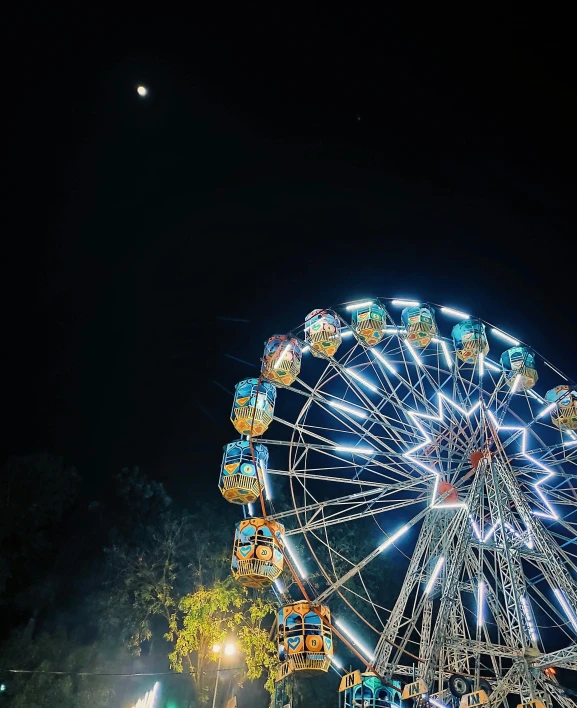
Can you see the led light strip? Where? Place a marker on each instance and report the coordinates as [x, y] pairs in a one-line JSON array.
[[360, 646], [414, 354], [267, 492], [348, 409], [434, 575], [360, 379], [295, 560], [393, 538], [428, 440], [405, 303], [565, 605], [505, 336], [282, 356], [492, 530], [360, 450], [552, 513], [455, 313], [481, 604], [529, 618], [336, 662], [357, 305], [384, 361], [491, 365]]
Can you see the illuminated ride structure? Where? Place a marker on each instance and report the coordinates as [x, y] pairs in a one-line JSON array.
[[450, 447]]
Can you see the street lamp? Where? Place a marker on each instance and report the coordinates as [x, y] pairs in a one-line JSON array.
[[229, 649]]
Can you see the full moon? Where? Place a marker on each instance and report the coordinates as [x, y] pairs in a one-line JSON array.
[[142, 90]]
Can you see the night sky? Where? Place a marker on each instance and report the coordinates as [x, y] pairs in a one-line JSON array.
[[283, 160]]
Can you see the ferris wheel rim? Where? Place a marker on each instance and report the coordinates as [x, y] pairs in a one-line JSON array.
[[506, 418]]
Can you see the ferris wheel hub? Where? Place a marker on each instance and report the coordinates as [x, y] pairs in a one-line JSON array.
[[452, 496], [475, 458]]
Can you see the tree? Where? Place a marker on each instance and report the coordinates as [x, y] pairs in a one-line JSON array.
[[255, 641], [37, 491], [176, 574], [142, 580], [62, 652], [206, 617]]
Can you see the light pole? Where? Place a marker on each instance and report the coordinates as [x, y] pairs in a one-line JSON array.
[[228, 649]]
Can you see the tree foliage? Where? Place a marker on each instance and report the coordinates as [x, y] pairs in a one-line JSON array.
[[58, 651], [158, 598]]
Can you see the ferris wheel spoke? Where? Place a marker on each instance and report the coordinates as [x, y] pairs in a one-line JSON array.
[[345, 413], [311, 475], [333, 519], [365, 496], [330, 448], [371, 556]]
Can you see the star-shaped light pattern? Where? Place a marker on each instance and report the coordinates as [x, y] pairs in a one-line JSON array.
[[410, 454], [491, 531], [549, 473], [440, 418]]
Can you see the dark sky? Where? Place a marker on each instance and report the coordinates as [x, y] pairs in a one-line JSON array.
[[285, 159]]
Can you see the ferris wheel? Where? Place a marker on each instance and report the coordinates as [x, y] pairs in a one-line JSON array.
[[410, 435]]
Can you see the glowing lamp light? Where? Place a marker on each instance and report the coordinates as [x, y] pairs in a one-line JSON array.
[[301, 571], [348, 409], [384, 361], [360, 450], [216, 648], [445, 351], [406, 303], [505, 336], [142, 91], [529, 619], [491, 365], [414, 354], [481, 604], [336, 662], [434, 575], [546, 410], [393, 538], [455, 313], [360, 379], [565, 605], [267, 491], [229, 649], [437, 703], [358, 305], [355, 641]]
